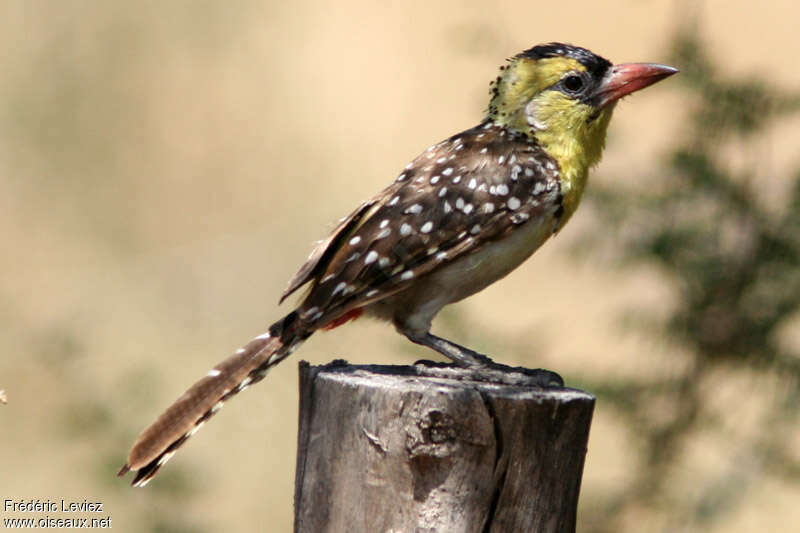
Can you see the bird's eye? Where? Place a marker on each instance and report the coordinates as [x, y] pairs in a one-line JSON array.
[[573, 83]]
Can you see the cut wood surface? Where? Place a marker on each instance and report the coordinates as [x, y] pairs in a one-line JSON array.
[[437, 448]]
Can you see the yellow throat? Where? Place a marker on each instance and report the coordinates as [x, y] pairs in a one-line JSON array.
[[572, 132]]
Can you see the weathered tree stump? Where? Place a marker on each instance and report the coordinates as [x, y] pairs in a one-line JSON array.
[[436, 449]]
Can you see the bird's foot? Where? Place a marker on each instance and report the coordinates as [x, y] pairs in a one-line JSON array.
[[481, 367], [492, 372]]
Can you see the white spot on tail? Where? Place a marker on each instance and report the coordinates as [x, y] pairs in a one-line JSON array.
[[339, 288], [214, 373], [355, 240], [405, 230], [407, 275], [263, 336], [310, 312], [372, 256], [244, 384], [196, 428], [426, 227], [164, 458]]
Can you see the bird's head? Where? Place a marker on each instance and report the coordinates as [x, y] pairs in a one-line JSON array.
[[563, 96]]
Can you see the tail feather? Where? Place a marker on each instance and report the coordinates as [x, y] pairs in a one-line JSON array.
[[159, 442]]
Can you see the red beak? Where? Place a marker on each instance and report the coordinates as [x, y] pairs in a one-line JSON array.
[[621, 80]]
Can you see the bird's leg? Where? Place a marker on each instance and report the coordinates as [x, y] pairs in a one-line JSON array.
[[483, 365], [460, 355]]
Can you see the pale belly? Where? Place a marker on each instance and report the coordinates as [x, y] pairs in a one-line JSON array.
[[415, 307]]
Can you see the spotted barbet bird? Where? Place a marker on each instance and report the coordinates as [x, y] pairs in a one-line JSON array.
[[460, 216]]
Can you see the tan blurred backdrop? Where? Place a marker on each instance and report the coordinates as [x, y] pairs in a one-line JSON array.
[[166, 166]]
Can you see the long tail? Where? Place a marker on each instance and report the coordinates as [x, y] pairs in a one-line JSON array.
[[159, 442]]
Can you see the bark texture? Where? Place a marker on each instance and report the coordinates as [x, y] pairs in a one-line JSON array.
[[437, 449]]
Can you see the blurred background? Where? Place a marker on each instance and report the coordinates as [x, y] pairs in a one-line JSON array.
[[165, 167]]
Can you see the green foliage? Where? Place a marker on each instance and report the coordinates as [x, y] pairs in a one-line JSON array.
[[726, 235]]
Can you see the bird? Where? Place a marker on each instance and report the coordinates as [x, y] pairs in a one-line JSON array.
[[460, 216]]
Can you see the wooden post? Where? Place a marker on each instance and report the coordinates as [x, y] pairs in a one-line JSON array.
[[436, 449]]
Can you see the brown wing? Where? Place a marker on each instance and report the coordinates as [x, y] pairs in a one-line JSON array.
[[320, 256], [459, 195]]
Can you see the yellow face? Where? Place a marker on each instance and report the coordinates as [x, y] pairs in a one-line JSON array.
[[533, 96]]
